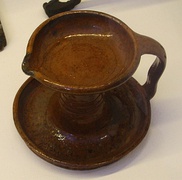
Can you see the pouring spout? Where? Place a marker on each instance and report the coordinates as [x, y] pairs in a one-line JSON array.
[[26, 65]]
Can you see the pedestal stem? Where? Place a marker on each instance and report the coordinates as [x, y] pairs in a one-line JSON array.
[[83, 113]]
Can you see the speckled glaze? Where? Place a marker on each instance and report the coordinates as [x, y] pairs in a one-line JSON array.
[[81, 109]]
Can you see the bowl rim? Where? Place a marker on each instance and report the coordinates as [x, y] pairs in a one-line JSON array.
[[81, 89]]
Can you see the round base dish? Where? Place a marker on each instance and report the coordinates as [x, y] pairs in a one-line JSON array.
[[34, 116]]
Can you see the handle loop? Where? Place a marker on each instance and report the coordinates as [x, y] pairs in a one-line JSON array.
[[150, 46]]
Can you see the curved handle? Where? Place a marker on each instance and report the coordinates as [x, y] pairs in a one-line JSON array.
[[150, 46]]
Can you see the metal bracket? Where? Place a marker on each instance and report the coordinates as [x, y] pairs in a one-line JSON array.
[[55, 6], [3, 42]]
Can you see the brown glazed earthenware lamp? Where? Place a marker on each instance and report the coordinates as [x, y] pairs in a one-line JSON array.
[[81, 108]]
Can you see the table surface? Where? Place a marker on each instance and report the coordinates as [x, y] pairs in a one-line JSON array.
[[159, 156]]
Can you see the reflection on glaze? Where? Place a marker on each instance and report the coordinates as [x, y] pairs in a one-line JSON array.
[[103, 137], [56, 84], [86, 35], [59, 136]]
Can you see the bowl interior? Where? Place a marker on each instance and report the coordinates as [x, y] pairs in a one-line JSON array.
[[82, 51]]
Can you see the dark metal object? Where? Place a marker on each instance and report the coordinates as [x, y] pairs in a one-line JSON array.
[[2, 38], [55, 6]]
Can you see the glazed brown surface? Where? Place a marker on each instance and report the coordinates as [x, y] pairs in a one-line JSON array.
[[83, 109], [40, 121], [84, 60], [89, 54]]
